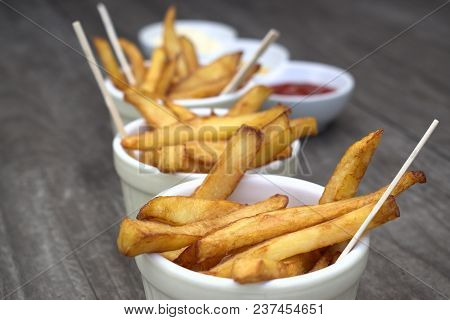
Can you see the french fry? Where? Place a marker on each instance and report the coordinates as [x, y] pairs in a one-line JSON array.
[[205, 151], [251, 270], [231, 165], [109, 62], [155, 114], [303, 127], [221, 68], [173, 159], [166, 77], [135, 58], [188, 51], [276, 144], [249, 74], [211, 129], [203, 90], [137, 237], [251, 101], [259, 228], [155, 72], [172, 255], [349, 171], [330, 255], [172, 44], [149, 157], [183, 114], [312, 238], [179, 210], [286, 153], [344, 181]]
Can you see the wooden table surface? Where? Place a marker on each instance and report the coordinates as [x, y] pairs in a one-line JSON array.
[[61, 198]]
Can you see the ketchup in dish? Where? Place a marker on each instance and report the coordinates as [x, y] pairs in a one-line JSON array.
[[300, 89]]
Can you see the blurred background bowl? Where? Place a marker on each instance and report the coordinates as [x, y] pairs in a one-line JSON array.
[[324, 107]]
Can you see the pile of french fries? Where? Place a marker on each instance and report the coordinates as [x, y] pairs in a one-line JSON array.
[[266, 240], [175, 71], [181, 141]]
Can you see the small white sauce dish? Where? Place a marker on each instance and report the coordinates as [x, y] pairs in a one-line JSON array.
[[209, 37], [324, 107], [164, 279]]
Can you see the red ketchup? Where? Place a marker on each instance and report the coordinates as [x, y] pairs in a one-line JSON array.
[[300, 89]]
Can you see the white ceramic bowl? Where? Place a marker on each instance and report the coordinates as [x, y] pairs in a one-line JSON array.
[[129, 113], [166, 280], [209, 37], [271, 60], [325, 107], [141, 182]]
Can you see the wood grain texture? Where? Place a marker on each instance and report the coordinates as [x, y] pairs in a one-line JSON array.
[[59, 189]]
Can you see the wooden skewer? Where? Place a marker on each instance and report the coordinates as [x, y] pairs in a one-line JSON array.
[[389, 190], [98, 77], [270, 37], [112, 36]]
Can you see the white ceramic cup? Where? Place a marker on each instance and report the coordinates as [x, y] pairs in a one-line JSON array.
[[324, 107], [129, 113], [164, 279], [141, 182]]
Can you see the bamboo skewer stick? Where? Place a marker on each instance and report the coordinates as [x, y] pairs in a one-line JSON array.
[[112, 36], [270, 37], [99, 78]]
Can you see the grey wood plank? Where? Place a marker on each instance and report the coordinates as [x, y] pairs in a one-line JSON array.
[[55, 132]]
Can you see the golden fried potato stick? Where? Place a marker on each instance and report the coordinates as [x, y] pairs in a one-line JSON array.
[[209, 129], [344, 181], [155, 71], [249, 75], [349, 171], [278, 143], [166, 77], [189, 53], [205, 151], [137, 237], [231, 165], [251, 101], [109, 62], [149, 157], [172, 255], [262, 227], [173, 159], [223, 67], [328, 258], [183, 113], [251, 270], [135, 58], [312, 238], [154, 114], [179, 210], [304, 127], [203, 90], [172, 44]]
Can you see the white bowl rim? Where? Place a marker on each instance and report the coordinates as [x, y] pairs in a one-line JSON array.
[[346, 88], [149, 169], [213, 282], [203, 102]]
